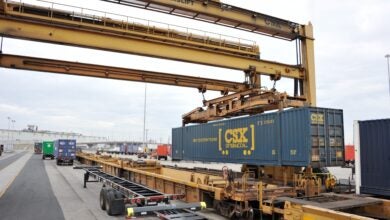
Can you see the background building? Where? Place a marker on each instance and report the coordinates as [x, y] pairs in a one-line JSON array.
[[24, 139]]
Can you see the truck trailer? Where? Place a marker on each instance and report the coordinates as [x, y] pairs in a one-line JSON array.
[[372, 145], [48, 150], [65, 151]]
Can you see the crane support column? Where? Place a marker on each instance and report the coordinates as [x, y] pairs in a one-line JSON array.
[[309, 87]]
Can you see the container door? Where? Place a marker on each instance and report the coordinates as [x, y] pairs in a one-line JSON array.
[[335, 137], [319, 141], [177, 143]]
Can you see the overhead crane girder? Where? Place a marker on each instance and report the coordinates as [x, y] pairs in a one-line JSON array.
[[217, 12], [61, 27], [100, 71], [86, 33]]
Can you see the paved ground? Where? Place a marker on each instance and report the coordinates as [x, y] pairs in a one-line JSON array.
[[39, 189], [75, 201], [30, 195], [7, 159]]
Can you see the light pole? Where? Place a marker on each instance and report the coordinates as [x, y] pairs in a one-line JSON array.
[[9, 123], [387, 56], [12, 137], [146, 138], [144, 131]]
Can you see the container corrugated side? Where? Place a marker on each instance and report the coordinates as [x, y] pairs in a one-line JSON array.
[[123, 148], [295, 137], [133, 148], [177, 143], [375, 156], [129, 148], [281, 138], [251, 140]]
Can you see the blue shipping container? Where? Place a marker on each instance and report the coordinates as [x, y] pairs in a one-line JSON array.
[[65, 150], [374, 136], [123, 149], [129, 148], [295, 137]]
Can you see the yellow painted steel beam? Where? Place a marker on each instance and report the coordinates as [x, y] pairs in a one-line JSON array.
[[216, 12], [92, 70], [104, 39], [167, 178], [148, 30], [223, 14], [309, 82], [314, 213]]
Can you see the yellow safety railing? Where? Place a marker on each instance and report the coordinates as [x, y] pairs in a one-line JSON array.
[[55, 11]]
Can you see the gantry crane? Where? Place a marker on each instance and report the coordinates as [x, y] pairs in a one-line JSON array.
[[87, 29]]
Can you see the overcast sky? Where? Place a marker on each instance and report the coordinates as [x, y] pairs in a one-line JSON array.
[[352, 38]]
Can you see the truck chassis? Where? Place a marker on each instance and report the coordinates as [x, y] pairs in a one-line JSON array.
[[118, 195]]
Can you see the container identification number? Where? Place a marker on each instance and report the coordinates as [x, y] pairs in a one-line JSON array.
[[265, 122], [203, 140]]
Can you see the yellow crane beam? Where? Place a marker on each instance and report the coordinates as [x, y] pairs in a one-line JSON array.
[[217, 12], [92, 70], [38, 24]]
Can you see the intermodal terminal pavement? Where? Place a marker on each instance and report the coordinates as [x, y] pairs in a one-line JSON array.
[[32, 188]]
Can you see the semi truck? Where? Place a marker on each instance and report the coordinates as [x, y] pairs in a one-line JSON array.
[[162, 152], [65, 151], [48, 150], [38, 147]]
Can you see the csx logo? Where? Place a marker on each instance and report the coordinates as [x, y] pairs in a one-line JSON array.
[[317, 118], [235, 136]]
